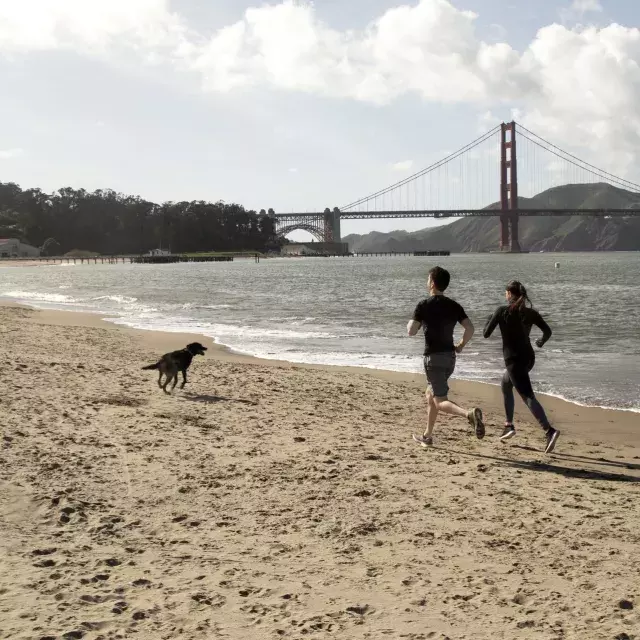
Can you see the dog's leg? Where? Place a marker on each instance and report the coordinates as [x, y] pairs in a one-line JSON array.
[[184, 378], [168, 376], [175, 381], [160, 379]]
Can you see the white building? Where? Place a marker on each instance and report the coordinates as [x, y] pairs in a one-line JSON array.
[[13, 248], [159, 252], [315, 249]]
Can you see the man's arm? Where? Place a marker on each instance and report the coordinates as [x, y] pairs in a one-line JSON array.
[[413, 327], [469, 330]]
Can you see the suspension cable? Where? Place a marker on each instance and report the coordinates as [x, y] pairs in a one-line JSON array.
[[595, 169], [430, 168], [604, 175]]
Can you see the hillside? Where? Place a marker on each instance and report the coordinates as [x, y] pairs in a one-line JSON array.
[[553, 233]]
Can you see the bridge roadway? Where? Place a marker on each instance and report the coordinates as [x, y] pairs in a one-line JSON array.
[[463, 213]]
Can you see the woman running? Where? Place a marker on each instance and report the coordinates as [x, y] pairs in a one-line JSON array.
[[515, 320]]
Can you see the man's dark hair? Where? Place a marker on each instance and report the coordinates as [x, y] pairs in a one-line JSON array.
[[440, 278]]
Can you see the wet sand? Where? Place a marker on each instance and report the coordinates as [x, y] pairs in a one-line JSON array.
[[270, 500]]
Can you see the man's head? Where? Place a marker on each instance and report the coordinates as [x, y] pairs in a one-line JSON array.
[[438, 280]]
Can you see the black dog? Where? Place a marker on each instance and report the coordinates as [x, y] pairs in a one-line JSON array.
[[171, 363]]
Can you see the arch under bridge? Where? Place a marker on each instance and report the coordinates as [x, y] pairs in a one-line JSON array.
[[323, 226]]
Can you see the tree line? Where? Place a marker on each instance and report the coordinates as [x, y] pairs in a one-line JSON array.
[[110, 223]]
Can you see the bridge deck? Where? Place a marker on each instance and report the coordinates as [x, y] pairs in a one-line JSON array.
[[463, 213]]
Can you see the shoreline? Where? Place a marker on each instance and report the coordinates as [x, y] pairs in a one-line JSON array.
[[622, 424]]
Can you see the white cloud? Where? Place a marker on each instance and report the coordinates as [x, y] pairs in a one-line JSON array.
[[578, 86], [89, 26], [429, 48], [10, 154], [588, 91], [405, 165]]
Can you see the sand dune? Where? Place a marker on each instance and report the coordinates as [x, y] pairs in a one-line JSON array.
[[276, 501]]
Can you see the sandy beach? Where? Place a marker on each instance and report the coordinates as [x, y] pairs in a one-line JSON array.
[[269, 500]]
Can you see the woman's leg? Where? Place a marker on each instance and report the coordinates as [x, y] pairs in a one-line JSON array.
[[519, 376], [507, 395]]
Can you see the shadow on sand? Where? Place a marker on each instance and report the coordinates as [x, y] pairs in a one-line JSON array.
[[599, 461], [213, 399], [548, 467]]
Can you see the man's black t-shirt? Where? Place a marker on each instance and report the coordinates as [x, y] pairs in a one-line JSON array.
[[438, 316]]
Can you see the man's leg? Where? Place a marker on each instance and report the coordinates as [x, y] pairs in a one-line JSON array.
[[432, 414], [439, 370], [432, 409], [474, 416], [447, 406]]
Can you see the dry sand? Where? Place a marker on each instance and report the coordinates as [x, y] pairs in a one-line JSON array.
[[275, 501]]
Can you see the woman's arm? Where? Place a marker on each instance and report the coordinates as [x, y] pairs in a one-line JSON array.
[[492, 322], [539, 321]]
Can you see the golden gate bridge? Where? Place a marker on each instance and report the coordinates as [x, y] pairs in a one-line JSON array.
[[497, 170]]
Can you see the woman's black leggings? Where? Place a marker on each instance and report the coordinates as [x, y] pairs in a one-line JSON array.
[[517, 375]]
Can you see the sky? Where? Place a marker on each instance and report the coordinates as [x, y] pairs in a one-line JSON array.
[[300, 106]]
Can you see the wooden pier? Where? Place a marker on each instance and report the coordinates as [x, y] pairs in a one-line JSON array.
[[70, 259], [134, 259], [374, 254], [179, 258], [396, 254], [185, 257]]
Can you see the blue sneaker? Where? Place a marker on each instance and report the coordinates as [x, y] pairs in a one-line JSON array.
[[424, 441], [552, 438], [508, 432], [475, 420]]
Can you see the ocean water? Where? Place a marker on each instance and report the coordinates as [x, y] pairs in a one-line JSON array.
[[354, 311]]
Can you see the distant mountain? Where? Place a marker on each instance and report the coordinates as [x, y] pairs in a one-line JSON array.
[[544, 233]]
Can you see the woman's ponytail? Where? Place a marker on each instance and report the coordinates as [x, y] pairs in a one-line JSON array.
[[519, 296]]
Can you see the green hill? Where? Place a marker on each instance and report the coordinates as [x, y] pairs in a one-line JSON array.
[[544, 233]]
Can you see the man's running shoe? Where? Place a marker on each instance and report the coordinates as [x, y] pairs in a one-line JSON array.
[[508, 432], [552, 438], [425, 441], [475, 420]]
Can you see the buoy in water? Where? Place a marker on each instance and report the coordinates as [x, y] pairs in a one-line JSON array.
[[557, 265]]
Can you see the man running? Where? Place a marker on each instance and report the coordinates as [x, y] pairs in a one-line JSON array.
[[515, 321], [439, 316]]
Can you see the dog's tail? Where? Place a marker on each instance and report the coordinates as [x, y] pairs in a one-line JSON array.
[[151, 367]]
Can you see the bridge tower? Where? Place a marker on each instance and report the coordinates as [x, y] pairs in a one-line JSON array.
[[509, 188], [332, 225]]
